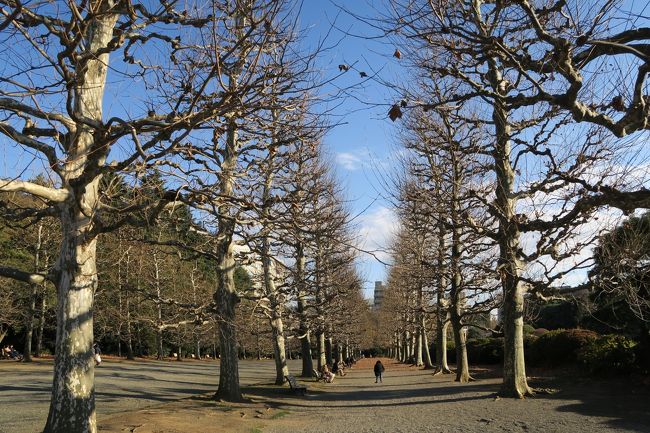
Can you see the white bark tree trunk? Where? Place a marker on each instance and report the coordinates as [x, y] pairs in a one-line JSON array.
[[72, 408]]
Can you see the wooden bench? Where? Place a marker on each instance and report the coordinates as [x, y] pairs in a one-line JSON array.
[[295, 387]]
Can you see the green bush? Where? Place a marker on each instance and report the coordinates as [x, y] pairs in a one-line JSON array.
[[609, 354], [528, 329], [559, 347], [485, 351], [451, 351], [539, 332]]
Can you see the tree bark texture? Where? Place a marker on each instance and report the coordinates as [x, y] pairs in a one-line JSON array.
[[514, 370], [72, 407]]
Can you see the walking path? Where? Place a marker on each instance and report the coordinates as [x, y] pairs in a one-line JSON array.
[[412, 400], [135, 397]]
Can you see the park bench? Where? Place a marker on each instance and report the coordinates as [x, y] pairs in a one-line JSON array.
[[295, 387], [317, 375]]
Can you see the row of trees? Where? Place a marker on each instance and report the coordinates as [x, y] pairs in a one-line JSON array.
[[169, 135], [516, 123]]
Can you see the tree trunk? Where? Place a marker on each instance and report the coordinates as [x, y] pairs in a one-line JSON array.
[[281, 368], [460, 339], [441, 348], [456, 292], [129, 335], [29, 325], [159, 315], [41, 322], [425, 345], [72, 407], [321, 349], [277, 327], [514, 370], [418, 347], [328, 350], [441, 311], [225, 295]]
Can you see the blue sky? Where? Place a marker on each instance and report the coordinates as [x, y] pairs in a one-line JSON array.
[[359, 147], [362, 146]]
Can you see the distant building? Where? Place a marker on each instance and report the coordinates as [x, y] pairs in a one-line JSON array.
[[379, 294]]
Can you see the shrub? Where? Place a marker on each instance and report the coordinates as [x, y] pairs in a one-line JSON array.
[[528, 329], [559, 347], [485, 351], [451, 351], [609, 354], [540, 331]]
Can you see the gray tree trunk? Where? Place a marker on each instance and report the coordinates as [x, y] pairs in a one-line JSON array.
[[321, 349], [29, 325], [328, 350], [41, 321], [303, 326], [456, 292], [225, 295], [442, 365], [514, 370], [425, 345]]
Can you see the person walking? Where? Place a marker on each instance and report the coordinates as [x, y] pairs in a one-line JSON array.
[[379, 369]]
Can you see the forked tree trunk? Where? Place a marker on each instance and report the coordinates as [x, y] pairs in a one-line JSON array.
[[72, 408]]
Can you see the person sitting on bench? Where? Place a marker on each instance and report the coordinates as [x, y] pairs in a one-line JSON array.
[[327, 374]]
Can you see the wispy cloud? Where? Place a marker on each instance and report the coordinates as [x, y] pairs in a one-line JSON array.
[[377, 230], [349, 161]]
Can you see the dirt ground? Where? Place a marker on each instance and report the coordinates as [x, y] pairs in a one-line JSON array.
[[408, 400]]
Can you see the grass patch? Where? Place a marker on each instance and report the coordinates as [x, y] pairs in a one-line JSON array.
[[280, 414], [256, 430]]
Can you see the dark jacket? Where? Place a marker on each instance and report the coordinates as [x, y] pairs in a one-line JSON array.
[[379, 368]]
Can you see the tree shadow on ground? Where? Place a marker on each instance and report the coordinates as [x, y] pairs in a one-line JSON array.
[[380, 396], [627, 405]]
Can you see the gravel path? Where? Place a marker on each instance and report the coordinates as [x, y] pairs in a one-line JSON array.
[[120, 386], [412, 400], [144, 396]]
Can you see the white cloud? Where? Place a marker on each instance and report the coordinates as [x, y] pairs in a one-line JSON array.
[[377, 230], [349, 161]]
